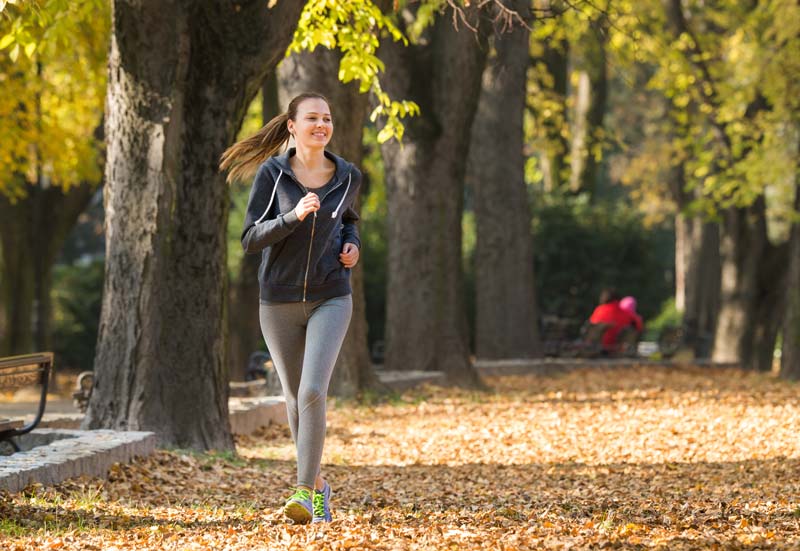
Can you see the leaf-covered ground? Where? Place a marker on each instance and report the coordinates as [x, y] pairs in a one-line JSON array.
[[629, 458]]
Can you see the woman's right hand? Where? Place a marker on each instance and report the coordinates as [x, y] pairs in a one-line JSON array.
[[307, 205]]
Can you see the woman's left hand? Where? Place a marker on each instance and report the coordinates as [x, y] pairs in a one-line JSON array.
[[349, 255]]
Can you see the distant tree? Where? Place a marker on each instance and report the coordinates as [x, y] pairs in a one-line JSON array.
[[790, 353], [731, 75], [244, 328], [318, 70], [506, 321], [426, 326], [52, 65]]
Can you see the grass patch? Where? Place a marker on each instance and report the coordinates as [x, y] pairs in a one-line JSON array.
[[11, 528]]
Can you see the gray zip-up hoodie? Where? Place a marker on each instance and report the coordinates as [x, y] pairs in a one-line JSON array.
[[300, 259]]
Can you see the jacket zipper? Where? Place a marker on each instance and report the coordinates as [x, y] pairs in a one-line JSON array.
[[308, 260], [313, 227]]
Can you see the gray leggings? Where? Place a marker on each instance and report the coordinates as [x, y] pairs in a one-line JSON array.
[[304, 339]]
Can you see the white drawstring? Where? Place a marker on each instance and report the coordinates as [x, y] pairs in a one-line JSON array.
[[335, 212], [271, 199]]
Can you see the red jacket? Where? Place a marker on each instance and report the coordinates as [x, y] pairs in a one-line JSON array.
[[611, 313]]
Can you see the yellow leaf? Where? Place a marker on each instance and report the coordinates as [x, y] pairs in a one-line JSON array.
[[6, 40]]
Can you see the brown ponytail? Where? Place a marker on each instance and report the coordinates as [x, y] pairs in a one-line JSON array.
[[243, 158]]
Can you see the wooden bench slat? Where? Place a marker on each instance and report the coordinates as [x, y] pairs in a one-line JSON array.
[[10, 424], [27, 369], [9, 371], [26, 359]]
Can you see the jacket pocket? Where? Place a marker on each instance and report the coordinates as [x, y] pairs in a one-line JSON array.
[[329, 264], [283, 267]]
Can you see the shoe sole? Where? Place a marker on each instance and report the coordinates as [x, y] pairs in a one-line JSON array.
[[297, 513]]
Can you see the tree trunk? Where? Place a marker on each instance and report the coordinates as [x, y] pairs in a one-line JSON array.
[[181, 76], [244, 327], [790, 353], [748, 262], [506, 313], [28, 258], [426, 317], [318, 71], [771, 296], [697, 268], [590, 110]]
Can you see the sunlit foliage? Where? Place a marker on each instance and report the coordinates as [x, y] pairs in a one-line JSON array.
[[53, 76], [355, 27]]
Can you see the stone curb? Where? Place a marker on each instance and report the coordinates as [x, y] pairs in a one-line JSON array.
[[247, 415], [403, 380], [548, 366], [71, 453]]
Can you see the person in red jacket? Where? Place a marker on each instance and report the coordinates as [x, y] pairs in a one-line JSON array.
[[610, 312], [629, 304]]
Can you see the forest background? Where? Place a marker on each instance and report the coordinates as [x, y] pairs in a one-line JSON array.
[[549, 149]]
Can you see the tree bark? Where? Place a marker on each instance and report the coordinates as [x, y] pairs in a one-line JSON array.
[[790, 352], [318, 71], [181, 75], [697, 242], [771, 295], [697, 270], [506, 312], [33, 230], [426, 317], [750, 266]]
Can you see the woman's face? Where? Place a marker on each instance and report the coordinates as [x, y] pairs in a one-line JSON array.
[[313, 125]]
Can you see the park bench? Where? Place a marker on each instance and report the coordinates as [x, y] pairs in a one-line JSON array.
[[17, 372], [559, 338]]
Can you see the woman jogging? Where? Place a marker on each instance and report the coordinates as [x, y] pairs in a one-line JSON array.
[[300, 218]]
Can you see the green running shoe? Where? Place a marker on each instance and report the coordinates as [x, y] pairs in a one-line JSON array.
[[299, 507], [322, 504]]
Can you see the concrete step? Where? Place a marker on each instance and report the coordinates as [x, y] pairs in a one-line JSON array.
[[51, 456]]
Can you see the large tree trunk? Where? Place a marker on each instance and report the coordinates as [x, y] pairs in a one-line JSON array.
[[770, 304], [506, 313], [590, 109], [244, 327], [426, 325], [790, 353], [749, 263], [318, 71], [33, 230], [697, 268], [181, 75]]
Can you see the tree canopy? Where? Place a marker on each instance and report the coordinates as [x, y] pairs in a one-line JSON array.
[[54, 78]]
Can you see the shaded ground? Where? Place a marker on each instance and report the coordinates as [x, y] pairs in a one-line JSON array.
[[627, 458]]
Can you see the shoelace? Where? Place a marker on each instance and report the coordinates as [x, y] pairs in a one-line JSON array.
[[319, 504], [301, 495]]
